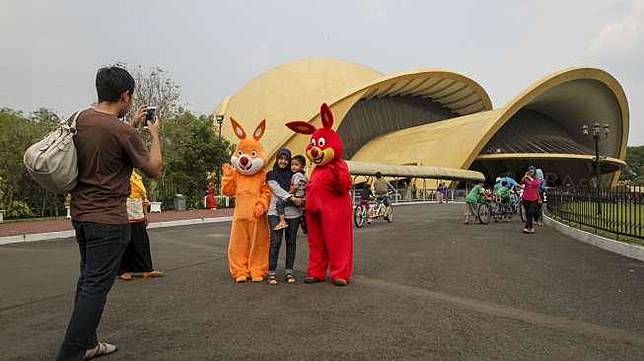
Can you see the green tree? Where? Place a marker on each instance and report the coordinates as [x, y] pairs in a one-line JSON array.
[[20, 193], [634, 170], [190, 150]]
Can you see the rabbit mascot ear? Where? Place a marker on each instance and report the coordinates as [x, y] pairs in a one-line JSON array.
[[259, 131], [301, 127]]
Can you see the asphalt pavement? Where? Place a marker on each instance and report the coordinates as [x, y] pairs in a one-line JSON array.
[[426, 287]]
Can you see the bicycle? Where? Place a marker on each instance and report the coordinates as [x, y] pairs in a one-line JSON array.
[[516, 205], [484, 211], [370, 209]]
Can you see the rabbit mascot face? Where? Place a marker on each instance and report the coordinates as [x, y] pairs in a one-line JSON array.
[[246, 181]]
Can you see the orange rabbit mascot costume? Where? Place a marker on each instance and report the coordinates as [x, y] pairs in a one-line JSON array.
[[246, 181], [328, 204]]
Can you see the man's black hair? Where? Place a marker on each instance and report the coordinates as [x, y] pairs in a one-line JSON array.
[[111, 82], [378, 175], [300, 159]]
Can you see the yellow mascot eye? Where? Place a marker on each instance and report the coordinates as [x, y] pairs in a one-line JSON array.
[[253, 154]]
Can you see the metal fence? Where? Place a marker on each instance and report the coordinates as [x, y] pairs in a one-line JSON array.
[[409, 194], [618, 211]]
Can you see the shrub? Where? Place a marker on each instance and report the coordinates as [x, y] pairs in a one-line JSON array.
[[18, 209]]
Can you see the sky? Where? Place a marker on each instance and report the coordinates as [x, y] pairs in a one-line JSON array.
[[50, 50]]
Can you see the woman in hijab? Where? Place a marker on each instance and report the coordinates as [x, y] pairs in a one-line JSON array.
[[279, 181]]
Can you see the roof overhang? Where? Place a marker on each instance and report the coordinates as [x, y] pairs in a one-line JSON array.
[[576, 95], [412, 171], [553, 156], [608, 164], [454, 91]]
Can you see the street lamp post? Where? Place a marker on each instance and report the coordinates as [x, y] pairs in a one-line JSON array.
[[220, 119], [598, 132]]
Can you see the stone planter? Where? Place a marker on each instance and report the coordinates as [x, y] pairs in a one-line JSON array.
[[155, 207]]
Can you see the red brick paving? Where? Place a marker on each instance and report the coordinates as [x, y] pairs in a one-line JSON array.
[[13, 228]]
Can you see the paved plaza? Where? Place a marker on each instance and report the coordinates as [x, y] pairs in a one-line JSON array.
[[426, 287]]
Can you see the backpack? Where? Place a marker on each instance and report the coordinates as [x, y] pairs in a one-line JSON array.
[[51, 162]]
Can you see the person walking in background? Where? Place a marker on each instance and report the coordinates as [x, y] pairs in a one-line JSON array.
[[439, 193], [530, 198], [107, 150], [472, 200], [137, 257]]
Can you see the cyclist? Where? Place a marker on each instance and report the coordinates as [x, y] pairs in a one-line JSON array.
[[380, 188]]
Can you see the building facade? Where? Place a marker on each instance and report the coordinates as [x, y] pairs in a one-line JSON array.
[[439, 118]]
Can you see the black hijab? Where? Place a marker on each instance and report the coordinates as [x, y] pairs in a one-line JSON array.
[[281, 176]]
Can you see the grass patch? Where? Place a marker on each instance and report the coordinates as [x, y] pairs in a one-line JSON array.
[[600, 232]]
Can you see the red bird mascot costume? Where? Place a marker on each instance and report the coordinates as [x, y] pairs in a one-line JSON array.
[[328, 204]]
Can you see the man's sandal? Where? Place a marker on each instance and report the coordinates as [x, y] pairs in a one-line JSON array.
[[151, 274], [290, 278], [272, 280], [312, 280], [102, 349], [127, 276]]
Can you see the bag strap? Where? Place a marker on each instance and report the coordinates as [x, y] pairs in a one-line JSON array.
[[73, 124], [70, 124]]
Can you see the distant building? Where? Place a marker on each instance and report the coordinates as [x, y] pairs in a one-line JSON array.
[[440, 118]]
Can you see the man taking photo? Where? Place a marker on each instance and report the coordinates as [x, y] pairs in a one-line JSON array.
[[107, 150]]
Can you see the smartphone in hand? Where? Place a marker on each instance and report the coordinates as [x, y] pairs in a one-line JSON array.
[[150, 115]]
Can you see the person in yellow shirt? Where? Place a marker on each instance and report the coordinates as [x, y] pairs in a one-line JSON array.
[[137, 257]]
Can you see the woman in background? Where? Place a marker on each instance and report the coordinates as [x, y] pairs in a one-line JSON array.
[[530, 198], [137, 257]]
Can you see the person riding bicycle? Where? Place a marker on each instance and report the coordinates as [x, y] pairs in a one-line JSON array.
[[380, 189]]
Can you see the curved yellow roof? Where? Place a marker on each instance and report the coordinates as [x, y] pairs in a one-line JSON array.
[[290, 91], [578, 96], [447, 143], [296, 90], [574, 95]]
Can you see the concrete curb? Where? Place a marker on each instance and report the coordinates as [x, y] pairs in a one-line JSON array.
[[611, 245], [33, 237]]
